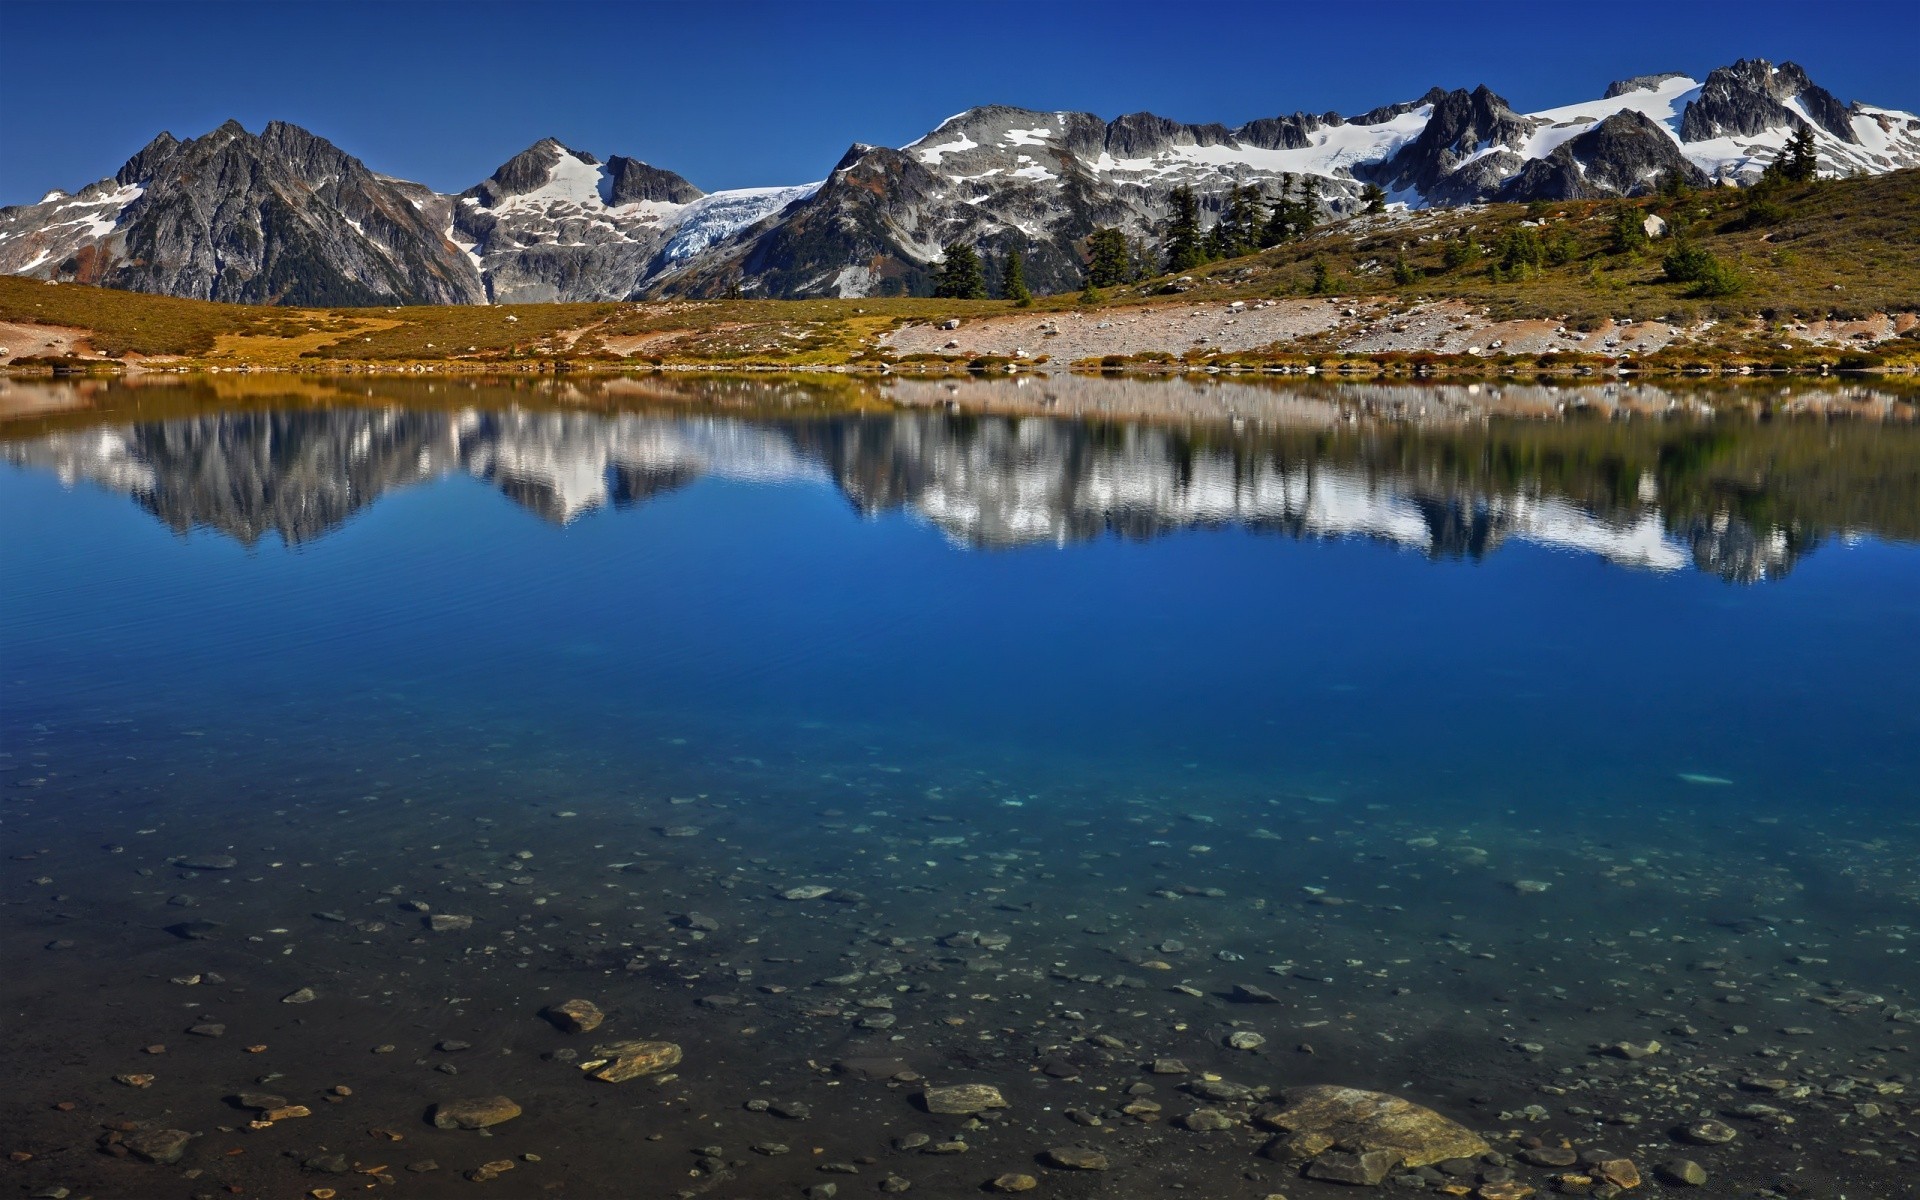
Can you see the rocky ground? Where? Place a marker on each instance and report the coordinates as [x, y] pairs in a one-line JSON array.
[[762, 985], [1364, 325]]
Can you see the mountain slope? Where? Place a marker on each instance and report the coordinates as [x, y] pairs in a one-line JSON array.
[[284, 217]]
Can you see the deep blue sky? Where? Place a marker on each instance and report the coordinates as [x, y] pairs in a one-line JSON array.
[[734, 95]]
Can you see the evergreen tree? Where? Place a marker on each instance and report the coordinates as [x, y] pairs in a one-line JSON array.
[[1629, 235], [1323, 281], [1797, 162], [1183, 249], [1460, 252], [1014, 281], [1110, 262], [959, 276], [1674, 185], [1373, 199], [1308, 214], [1403, 271]]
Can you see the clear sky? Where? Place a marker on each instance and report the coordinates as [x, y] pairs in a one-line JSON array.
[[745, 94]]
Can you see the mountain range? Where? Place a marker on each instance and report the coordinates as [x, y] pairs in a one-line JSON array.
[[285, 217]]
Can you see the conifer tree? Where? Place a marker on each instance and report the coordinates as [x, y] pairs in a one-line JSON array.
[[1373, 199], [960, 276], [1110, 262], [1183, 249], [1014, 281], [1629, 234]]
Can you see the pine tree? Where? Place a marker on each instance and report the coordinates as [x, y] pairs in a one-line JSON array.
[[960, 276], [1802, 157], [1403, 271], [1183, 249], [1110, 262], [1308, 214], [1014, 281], [1373, 199]]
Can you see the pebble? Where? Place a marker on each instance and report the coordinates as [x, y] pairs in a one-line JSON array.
[[1014, 1182], [1682, 1171]]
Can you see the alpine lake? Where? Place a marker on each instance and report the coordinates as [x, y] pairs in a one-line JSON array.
[[809, 786]]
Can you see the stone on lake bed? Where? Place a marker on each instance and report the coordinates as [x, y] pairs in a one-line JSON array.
[[1245, 1040], [617, 1062], [1366, 1169], [447, 922], [305, 995], [963, 1099], [477, 1113], [811, 891], [1014, 1182], [207, 862], [161, 1146], [1076, 1158], [1366, 1121], [576, 1016], [1683, 1172]]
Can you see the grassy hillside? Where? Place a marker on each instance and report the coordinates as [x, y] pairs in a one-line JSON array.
[[1845, 247], [1834, 248]]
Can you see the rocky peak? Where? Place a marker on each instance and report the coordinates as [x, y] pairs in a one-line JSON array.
[[1641, 83], [141, 166], [528, 171], [1387, 112], [1463, 123], [630, 181], [1752, 96]]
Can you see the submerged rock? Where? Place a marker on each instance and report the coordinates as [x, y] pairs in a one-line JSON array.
[[617, 1062], [1363, 1122], [576, 1016], [159, 1145], [477, 1113], [963, 1099]]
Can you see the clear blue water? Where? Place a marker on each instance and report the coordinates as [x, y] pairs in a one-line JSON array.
[[1287, 708]]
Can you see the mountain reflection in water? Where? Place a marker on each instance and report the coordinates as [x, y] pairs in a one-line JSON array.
[[1740, 498]]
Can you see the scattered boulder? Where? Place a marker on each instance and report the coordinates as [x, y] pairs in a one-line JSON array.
[[161, 1146]]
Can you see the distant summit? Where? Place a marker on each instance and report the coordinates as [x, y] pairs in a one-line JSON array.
[[285, 217]]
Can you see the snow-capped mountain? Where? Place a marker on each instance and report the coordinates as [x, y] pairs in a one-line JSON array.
[[285, 217]]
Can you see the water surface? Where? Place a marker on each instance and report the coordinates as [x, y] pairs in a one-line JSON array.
[[1482, 729]]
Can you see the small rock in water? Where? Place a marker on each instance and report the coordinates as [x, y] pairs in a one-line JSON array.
[[1245, 1040], [576, 1016], [1632, 1050], [1014, 1182], [305, 995], [161, 1146], [811, 891], [633, 1059], [207, 862], [963, 1099], [477, 1113], [1076, 1158], [447, 922], [1684, 1172]]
